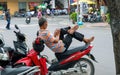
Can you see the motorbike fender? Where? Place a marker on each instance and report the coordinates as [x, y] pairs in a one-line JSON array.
[[26, 61], [29, 59]]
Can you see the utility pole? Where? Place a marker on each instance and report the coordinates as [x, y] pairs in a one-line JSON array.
[[77, 11]]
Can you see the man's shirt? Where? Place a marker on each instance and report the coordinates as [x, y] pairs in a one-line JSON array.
[[49, 38]]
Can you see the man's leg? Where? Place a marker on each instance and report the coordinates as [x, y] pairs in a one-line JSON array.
[[67, 41], [72, 32], [63, 31], [78, 35], [8, 24]]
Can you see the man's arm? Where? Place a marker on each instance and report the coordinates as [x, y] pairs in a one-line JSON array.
[[56, 39], [5, 16], [56, 35], [51, 38]]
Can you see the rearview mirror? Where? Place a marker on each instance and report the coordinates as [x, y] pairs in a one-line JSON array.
[[16, 27]]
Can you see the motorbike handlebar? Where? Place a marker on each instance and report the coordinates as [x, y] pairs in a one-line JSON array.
[[16, 27], [15, 32]]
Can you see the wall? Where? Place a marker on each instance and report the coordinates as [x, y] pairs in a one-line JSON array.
[[12, 5], [2, 0]]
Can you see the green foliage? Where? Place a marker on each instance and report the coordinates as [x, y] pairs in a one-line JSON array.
[[1, 8], [73, 16], [108, 17]]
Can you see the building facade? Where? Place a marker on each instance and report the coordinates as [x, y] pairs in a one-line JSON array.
[[25, 5], [18, 5]]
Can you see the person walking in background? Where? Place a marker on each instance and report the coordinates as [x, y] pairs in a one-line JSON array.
[[52, 13], [39, 15], [28, 14], [8, 18], [48, 12]]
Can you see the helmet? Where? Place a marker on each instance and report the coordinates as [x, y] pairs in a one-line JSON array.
[[4, 57], [38, 45], [1, 41]]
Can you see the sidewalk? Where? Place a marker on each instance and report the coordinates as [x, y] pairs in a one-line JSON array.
[[61, 20], [100, 24]]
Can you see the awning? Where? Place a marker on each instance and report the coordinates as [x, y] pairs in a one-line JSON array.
[[42, 6], [87, 1]]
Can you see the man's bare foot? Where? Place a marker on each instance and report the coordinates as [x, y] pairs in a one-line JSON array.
[[89, 40], [73, 29]]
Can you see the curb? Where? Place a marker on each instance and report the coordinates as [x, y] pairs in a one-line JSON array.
[[97, 24]]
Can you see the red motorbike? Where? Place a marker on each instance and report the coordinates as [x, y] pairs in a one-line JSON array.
[[68, 62]]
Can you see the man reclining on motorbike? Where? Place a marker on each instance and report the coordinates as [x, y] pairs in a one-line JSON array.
[[57, 42]]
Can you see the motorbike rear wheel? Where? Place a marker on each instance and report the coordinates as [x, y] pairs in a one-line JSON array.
[[85, 66]]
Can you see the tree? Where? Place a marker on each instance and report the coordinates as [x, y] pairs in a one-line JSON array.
[[114, 10]]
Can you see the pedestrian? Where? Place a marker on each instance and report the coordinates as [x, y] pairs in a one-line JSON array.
[[8, 18], [52, 13], [48, 12], [28, 14], [39, 14]]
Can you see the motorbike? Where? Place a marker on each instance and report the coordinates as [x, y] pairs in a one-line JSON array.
[[20, 47], [19, 71], [67, 62], [94, 18], [28, 19], [85, 18], [4, 51], [73, 61], [6, 68]]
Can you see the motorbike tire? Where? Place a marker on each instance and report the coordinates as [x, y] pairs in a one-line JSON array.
[[27, 22], [85, 64]]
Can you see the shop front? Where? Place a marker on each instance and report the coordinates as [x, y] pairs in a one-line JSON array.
[[3, 7], [18, 5], [33, 6]]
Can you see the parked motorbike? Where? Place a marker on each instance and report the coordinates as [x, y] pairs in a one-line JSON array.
[[5, 67], [85, 18], [21, 48], [28, 20], [33, 57], [24, 70], [71, 59], [94, 18], [5, 52]]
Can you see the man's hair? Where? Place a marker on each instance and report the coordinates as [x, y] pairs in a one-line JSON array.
[[41, 21]]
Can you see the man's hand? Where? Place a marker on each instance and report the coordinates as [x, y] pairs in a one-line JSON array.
[[57, 32], [4, 17], [56, 35]]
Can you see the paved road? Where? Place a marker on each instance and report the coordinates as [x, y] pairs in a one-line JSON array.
[[103, 46]]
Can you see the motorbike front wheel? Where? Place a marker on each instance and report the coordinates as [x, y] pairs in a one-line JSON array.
[[85, 66]]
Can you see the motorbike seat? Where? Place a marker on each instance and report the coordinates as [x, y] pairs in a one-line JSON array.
[[61, 56], [15, 71]]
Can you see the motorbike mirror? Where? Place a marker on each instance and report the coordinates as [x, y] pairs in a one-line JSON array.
[[16, 27]]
